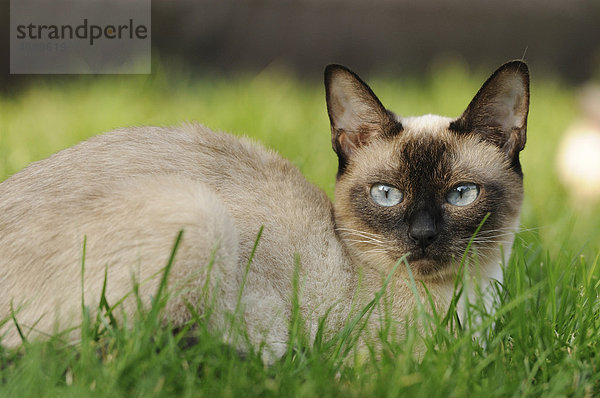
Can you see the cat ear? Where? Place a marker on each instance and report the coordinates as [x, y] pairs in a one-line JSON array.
[[499, 110], [355, 113]]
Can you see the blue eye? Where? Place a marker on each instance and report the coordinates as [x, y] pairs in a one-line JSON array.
[[463, 194], [386, 195]]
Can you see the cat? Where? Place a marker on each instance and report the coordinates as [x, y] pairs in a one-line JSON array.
[[415, 188]]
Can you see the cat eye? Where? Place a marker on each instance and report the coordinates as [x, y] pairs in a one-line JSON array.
[[463, 194], [386, 195]]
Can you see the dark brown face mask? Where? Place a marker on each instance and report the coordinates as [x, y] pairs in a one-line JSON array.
[[424, 185]]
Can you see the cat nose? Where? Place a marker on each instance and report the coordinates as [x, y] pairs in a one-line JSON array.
[[422, 229]]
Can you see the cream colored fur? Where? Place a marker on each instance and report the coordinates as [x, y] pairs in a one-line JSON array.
[[129, 192]]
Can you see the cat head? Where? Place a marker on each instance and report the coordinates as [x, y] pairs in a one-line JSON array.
[[423, 185]]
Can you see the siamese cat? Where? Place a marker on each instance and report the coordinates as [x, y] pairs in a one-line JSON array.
[[407, 187]]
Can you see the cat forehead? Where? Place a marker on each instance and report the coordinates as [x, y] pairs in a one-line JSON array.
[[427, 125], [424, 141], [431, 135], [426, 148]]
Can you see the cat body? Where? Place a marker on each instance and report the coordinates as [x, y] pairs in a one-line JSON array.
[[129, 192]]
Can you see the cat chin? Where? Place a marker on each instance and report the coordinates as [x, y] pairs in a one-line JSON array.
[[423, 268], [430, 269]]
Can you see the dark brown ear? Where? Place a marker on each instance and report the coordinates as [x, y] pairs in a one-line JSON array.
[[355, 113], [499, 111]]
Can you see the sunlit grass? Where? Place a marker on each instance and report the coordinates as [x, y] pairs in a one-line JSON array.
[[546, 332]]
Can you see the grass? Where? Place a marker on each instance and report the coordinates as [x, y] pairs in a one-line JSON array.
[[543, 340]]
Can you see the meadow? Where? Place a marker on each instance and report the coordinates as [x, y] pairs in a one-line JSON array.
[[542, 341]]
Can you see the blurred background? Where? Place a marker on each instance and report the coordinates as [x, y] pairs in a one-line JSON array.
[[377, 36], [255, 67]]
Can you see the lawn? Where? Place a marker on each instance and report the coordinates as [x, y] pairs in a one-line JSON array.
[[544, 337]]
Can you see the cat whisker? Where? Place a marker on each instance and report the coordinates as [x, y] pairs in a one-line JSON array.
[[483, 257], [368, 241], [479, 236], [466, 241], [361, 234], [495, 233], [529, 229], [356, 231], [511, 230], [490, 239], [376, 251], [487, 233], [374, 243]]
